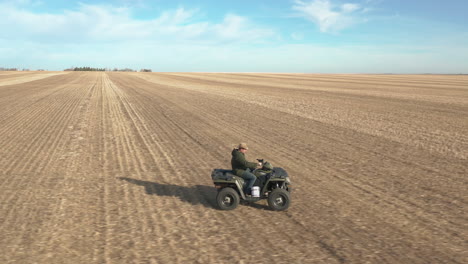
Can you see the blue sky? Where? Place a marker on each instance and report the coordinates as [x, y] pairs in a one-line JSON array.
[[311, 36]]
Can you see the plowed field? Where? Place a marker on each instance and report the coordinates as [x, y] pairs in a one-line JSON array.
[[115, 167]]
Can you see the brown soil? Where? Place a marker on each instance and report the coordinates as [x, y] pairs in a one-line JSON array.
[[16, 77], [115, 167]]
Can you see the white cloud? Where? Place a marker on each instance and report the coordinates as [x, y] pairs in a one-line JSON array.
[[328, 16], [110, 36], [91, 23], [349, 8], [24, 2]]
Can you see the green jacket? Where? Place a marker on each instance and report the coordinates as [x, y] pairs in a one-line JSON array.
[[239, 163]]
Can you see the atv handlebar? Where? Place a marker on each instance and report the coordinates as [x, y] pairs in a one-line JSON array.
[[260, 163]]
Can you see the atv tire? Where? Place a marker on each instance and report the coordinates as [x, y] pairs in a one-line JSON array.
[[279, 200], [227, 199]]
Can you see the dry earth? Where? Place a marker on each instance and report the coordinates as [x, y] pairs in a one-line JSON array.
[[115, 167]]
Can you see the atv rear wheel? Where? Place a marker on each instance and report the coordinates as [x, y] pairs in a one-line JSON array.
[[279, 200], [227, 199]]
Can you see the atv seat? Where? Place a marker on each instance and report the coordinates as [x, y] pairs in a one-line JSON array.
[[226, 175]]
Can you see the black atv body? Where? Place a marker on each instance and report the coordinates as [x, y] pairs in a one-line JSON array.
[[274, 184]]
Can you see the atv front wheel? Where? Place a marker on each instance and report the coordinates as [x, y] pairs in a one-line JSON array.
[[278, 200], [227, 199]]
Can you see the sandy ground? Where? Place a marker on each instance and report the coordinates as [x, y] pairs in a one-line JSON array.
[[16, 77], [115, 167]]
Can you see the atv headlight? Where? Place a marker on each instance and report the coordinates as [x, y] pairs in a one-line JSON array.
[[288, 181]]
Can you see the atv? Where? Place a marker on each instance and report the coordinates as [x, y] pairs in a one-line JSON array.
[[273, 182]]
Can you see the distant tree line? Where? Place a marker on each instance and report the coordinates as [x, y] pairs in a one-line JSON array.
[[123, 70], [105, 69], [85, 69], [82, 69], [8, 69], [16, 69]]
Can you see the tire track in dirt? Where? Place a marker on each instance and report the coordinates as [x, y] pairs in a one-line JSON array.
[[58, 107], [163, 217], [25, 130], [37, 198], [165, 190], [88, 211], [137, 122], [20, 99], [120, 111], [114, 111]]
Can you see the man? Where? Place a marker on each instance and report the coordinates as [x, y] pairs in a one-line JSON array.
[[242, 168]]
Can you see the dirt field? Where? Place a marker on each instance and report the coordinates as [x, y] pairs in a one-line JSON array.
[[115, 167]]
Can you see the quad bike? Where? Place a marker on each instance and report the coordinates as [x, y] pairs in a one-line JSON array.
[[273, 183]]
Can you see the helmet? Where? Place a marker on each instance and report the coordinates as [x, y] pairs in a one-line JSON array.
[[267, 166]]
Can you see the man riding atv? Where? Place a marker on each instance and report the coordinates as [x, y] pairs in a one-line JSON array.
[[242, 168], [270, 183]]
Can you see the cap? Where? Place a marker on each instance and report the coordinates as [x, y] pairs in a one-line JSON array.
[[243, 146]]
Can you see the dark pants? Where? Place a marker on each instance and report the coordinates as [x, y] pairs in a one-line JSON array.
[[250, 179]]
